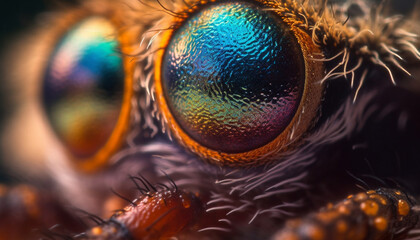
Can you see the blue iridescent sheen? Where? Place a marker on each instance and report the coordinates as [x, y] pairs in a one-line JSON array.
[[83, 86], [233, 76]]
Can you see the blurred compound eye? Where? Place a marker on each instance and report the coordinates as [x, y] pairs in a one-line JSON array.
[[84, 91], [236, 82]]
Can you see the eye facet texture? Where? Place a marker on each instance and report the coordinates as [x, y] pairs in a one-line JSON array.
[[233, 76], [83, 86]]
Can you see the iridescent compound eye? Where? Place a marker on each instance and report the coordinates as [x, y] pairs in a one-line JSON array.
[[232, 80], [83, 90], [233, 77]]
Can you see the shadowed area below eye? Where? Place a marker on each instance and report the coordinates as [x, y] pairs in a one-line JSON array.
[[233, 76], [83, 86]]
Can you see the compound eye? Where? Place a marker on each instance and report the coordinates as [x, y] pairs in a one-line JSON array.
[[83, 91], [233, 77], [232, 80]]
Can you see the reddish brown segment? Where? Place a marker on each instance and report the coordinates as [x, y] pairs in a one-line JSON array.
[[375, 214], [158, 215]]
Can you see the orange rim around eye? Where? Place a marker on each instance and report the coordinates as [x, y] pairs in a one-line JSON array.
[[287, 140], [117, 135]]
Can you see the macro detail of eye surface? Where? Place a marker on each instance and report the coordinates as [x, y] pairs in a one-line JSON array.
[[233, 80], [233, 77]]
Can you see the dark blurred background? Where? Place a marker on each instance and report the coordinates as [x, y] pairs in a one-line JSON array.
[[15, 17], [18, 15]]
